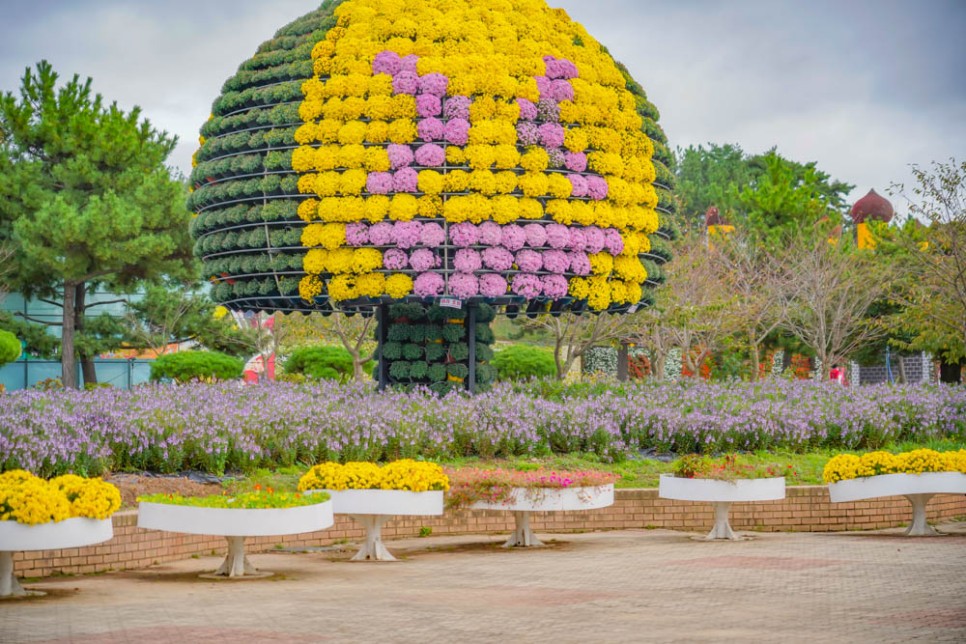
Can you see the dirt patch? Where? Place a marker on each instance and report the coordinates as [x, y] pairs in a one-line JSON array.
[[134, 485]]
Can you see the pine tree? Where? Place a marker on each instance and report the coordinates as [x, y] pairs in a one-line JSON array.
[[85, 197]]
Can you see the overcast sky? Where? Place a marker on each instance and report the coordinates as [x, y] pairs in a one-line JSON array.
[[863, 87]]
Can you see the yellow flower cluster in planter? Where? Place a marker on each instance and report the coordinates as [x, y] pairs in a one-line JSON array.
[[849, 466], [31, 500], [405, 474]]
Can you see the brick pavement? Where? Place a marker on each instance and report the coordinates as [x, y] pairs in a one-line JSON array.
[[621, 586]]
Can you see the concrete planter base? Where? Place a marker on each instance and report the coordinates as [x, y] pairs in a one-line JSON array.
[[69, 533], [373, 508], [917, 488], [721, 494], [235, 524], [523, 501]]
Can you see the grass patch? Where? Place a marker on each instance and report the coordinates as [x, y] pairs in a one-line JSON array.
[[799, 468]]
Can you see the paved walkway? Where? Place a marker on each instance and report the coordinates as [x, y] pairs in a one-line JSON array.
[[625, 586]]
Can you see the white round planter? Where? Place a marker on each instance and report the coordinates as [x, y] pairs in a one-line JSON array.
[[721, 494], [917, 488], [523, 501], [69, 533], [235, 524], [373, 508]]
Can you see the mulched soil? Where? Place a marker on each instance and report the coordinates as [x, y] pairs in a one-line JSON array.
[[134, 485]]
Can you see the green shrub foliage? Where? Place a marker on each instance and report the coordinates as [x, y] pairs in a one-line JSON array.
[[520, 362], [323, 363], [189, 366], [9, 347]]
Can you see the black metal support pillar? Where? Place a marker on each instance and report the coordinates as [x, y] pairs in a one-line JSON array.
[[382, 334], [471, 341]]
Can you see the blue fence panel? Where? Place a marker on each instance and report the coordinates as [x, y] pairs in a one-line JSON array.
[[124, 374]]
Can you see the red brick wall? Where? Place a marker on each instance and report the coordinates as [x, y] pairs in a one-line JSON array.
[[805, 509]]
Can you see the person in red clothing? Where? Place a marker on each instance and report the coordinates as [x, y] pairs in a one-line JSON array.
[[837, 374]]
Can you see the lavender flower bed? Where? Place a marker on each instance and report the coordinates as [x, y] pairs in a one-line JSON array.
[[168, 428]]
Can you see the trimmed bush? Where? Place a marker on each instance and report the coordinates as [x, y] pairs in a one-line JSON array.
[[9, 347], [520, 362], [189, 366], [323, 363]]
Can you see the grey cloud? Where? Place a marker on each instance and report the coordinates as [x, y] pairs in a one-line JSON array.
[[863, 87]]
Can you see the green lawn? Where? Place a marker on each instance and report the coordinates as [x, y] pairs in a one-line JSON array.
[[805, 469]]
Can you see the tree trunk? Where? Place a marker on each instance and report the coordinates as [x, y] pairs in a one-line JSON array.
[[755, 362], [658, 362], [68, 373], [623, 357], [556, 358], [88, 370]]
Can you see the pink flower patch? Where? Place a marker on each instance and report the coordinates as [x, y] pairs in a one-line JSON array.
[[428, 105], [428, 284], [405, 180], [380, 234], [430, 155], [386, 62], [433, 84], [490, 233], [554, 286], [467, 260], [463, 285], [379, 183], [492, 285], [457, 131], [400, 156], [432, 235], [497, 258], [395, 259], [405, 83], [423, 259], [430, 129]]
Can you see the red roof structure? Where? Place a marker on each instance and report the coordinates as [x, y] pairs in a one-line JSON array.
[[872, 206]]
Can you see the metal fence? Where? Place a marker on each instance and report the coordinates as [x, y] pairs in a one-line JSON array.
[[121, 373]]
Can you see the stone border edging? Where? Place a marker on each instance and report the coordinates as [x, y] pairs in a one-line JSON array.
[[804, 509]]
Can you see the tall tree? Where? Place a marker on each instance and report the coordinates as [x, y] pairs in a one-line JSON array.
[[788, 196], [935, 257], [712, 176], [760, 191], [85, 197], [649, 330]]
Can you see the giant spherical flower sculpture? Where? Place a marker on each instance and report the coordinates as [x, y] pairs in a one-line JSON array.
[[402, 150]]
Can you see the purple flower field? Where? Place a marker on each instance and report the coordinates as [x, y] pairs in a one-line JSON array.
[[167, 428]]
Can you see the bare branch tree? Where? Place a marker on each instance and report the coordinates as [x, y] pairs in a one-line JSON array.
[[831, 289], [650, 332], [759, 284], [574, 334], [696, 303], [354, 333]]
